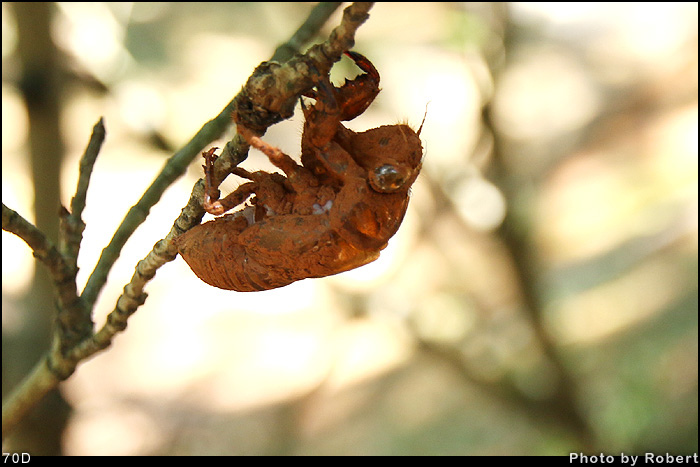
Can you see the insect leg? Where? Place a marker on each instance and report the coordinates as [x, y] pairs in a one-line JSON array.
[[211, 192], [355, 96], [276, 156], [320, 148], [323, 118], [243, 173], [233, 199]]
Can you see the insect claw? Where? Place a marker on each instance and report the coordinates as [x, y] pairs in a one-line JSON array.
[[213, 207], [356, 95], [209, 156], [364, 64]]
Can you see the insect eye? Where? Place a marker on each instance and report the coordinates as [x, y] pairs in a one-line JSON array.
[[387, 178]]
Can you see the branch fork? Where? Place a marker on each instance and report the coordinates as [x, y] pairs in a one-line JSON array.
[[268, 97]]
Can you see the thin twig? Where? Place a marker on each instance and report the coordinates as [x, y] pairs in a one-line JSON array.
[[61, 272], [74, 317], [42, 248], [39, 382], [271, 93], [87, 162], [317, 18], [72, 225]]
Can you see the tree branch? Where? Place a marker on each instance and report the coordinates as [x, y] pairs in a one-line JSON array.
[[317, 18], [61, 271], [276, 101], [74, 317], [42, 248], [235, 152], [39, 382], [73, 225]]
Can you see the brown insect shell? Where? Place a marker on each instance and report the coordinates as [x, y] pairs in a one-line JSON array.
[[287, 241], [231, 254], [371, 218], [284, 241]]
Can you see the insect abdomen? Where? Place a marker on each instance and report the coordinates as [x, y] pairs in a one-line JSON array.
[[214, 254], [271, 253]]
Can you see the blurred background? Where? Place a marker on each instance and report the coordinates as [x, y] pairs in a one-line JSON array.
[[540, 297]]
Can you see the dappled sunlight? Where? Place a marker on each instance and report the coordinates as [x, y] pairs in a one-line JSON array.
[[551, 236], [619, 304], [560, 96], [94, 430], [93, 34]]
